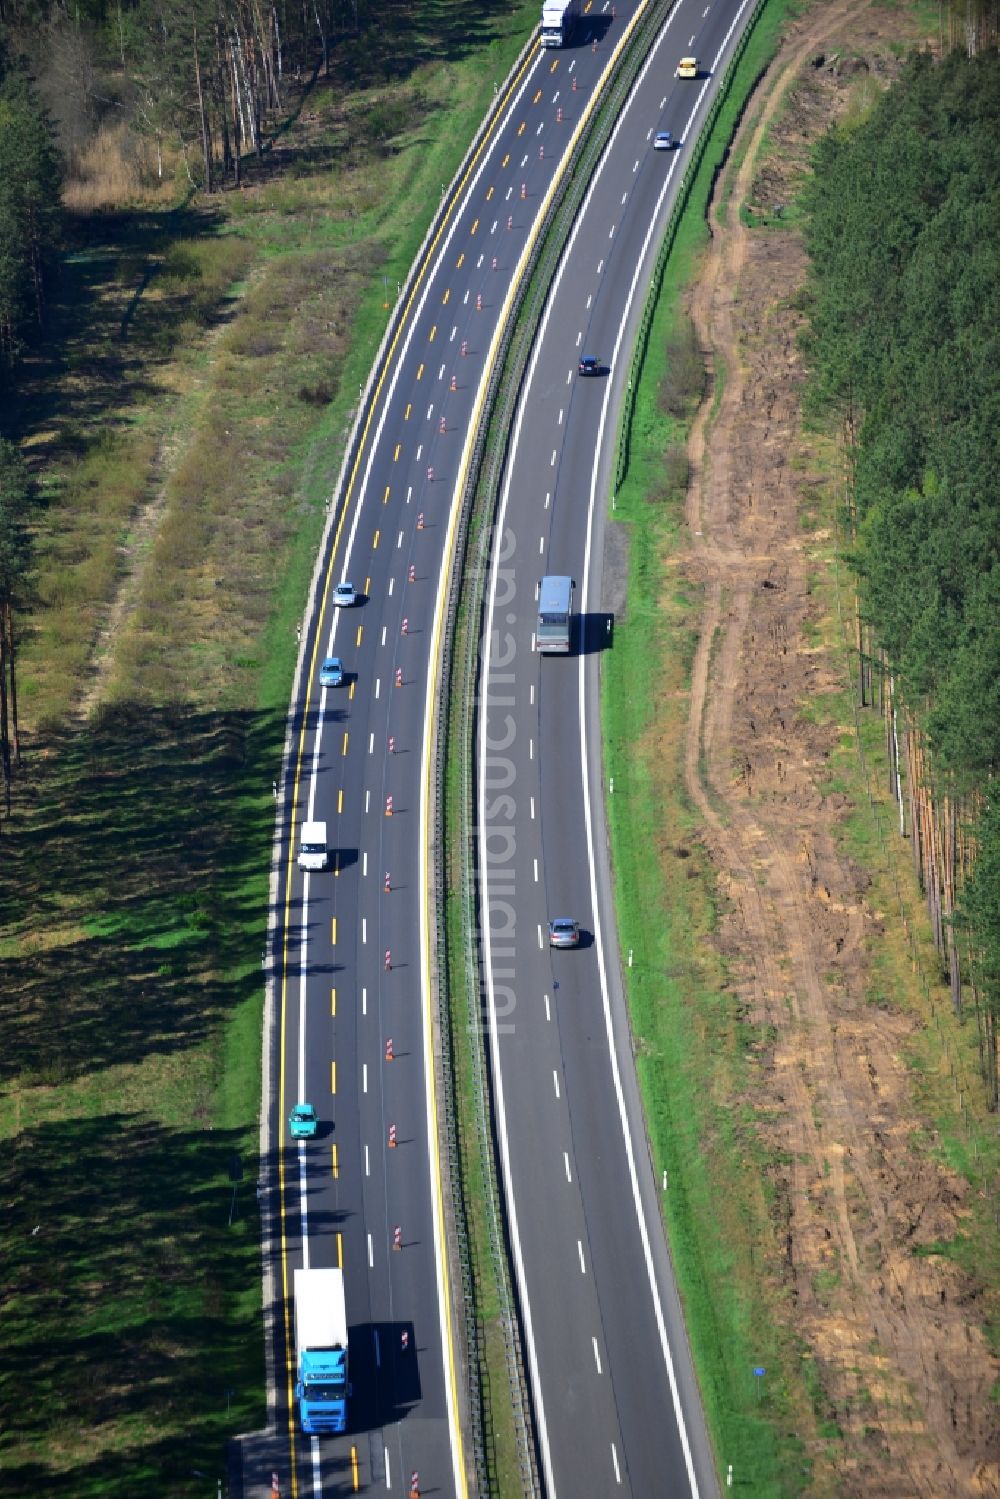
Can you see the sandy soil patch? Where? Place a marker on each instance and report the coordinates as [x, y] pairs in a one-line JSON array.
[[897, 1335]]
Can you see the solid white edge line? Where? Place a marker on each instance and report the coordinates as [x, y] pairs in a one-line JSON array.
[[588, 820]]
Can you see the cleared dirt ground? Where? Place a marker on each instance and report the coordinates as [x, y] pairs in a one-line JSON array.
[[897, 1334]]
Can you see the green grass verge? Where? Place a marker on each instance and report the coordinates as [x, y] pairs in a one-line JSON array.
[[696, 1055], [206, 366]]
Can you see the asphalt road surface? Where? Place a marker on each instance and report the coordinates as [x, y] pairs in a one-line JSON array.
[[615, 1398], [349, 953]]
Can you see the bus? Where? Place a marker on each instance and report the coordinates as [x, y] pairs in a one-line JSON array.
[[555, 612]]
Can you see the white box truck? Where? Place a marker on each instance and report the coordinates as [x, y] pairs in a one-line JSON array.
[[558, 19], [321, 1350], [313, 851]]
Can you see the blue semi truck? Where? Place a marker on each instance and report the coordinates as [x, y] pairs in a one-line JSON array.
[[321, 1350]]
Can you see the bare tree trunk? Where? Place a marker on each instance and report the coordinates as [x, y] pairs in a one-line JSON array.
[[4, 722], [15, 732], [206, 142], [277, 45], [322, 37]]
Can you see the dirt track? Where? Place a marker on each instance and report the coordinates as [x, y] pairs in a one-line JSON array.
[[897, 1335]]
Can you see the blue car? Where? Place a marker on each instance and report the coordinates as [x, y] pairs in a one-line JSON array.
[[302, 1122], [331, 673]]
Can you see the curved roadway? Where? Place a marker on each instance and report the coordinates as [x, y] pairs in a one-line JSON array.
[[351, 963], [616, 1402], [351, 957]]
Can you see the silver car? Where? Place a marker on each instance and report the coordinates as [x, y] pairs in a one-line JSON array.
[[564, 933]]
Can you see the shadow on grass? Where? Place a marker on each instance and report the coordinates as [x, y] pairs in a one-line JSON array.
[[132, 907], [123, 1280], [134, 890], [106, 335]]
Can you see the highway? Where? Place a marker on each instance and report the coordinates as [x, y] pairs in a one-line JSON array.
[[614, 1393], [348, 955]]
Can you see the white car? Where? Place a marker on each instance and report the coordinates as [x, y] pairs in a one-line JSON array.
[[663, 141], [344, 595]]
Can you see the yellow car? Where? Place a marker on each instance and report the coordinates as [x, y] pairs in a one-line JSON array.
[[687, 68]]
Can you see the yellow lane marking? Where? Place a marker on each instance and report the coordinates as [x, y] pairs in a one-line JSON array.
[[420, 372], [555, 64], [349, 495], [520, 128], [505, 160], [333, 1001], [537, 97], [447, 294], [350, 692], [333, 1077], [375, 541], [354, 1469], [395, 459], [340, 800], [333, 931], [489, 194], [334, 1162], [368, 585], [406, 413], [434, 330], [361, 631], [475, 226], [344, 747], [458, 262]]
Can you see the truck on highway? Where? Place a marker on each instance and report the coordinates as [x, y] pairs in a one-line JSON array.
[[313, 851], [558, 19], [555, 614], [321, 1350]]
